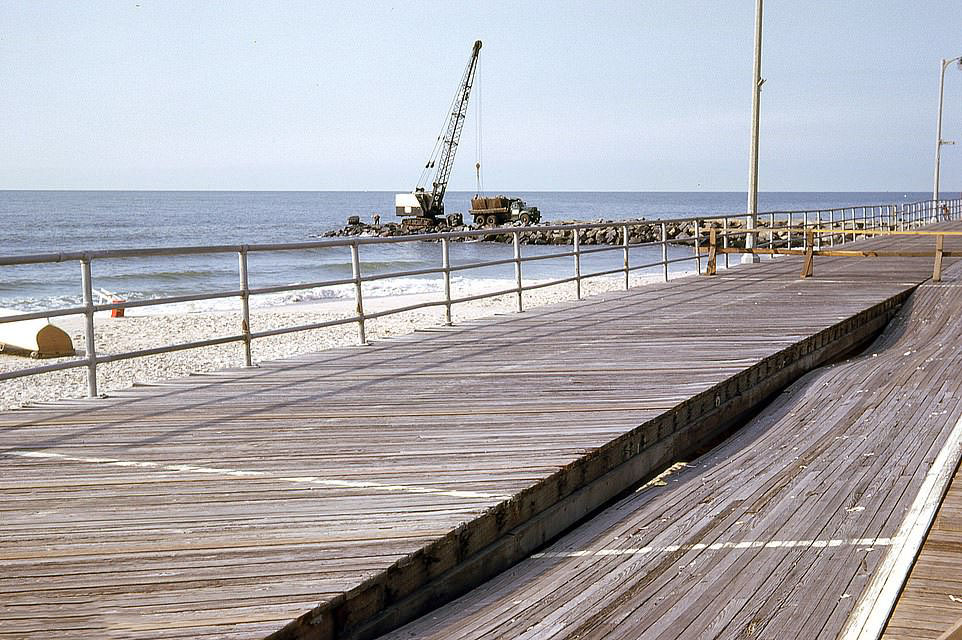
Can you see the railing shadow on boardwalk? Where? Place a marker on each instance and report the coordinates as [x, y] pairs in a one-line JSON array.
[[111, 414]]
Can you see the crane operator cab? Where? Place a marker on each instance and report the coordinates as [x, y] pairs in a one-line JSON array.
[[407, 204]]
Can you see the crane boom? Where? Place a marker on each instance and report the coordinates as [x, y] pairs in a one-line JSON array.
[[432, 203]]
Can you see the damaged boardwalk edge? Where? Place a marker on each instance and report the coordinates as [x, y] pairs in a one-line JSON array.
[[878, 601], [511, 531]]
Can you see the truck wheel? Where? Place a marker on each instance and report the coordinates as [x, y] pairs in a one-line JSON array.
[[525, 219], [479, 220], [492, 220]]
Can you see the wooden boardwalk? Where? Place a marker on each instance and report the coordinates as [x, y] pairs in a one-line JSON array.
[[226, 505]]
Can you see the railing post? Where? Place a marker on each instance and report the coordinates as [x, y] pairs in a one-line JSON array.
[[624, 244], [664, 249], [818, 224], [725, 238], [576, 237], [831, 225], [805, 226], [750, 238], [245, 304], [696, 227], [516, 241], [358, 297], [91, 347], [771, 231], [446, 266]]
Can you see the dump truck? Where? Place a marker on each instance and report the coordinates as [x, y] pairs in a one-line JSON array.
[[492, 211]]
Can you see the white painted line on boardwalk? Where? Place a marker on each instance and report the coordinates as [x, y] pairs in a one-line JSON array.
[[314, 480], [874, 607], [868, 543]]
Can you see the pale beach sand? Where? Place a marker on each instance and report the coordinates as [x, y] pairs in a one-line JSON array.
[[142, 331]]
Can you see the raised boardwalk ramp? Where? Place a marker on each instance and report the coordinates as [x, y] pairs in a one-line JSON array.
[[780, 532], [353, 488]]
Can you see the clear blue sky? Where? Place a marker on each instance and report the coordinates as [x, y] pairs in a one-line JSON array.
[[575, 95]]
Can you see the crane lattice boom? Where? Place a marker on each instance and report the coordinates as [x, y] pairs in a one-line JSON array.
[[432, 203]]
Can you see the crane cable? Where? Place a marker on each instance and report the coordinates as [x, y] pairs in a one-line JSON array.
[[478, 101]]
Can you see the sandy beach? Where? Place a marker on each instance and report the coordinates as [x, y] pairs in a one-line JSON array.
[[141, 331]]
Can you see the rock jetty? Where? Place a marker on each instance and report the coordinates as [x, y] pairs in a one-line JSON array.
[[639, 231]]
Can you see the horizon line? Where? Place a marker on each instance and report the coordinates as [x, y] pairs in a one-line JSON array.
[[146, 190]]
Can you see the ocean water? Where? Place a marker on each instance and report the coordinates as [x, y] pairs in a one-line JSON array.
[[54, 221]]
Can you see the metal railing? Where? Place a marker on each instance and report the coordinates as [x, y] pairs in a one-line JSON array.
[[849, 221]]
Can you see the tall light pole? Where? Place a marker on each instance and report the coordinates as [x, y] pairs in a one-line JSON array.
[[938, 132], [753, 159]]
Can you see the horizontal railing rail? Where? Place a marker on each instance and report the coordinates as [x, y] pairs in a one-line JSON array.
[[770, 229]]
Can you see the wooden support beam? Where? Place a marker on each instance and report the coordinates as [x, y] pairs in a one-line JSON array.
[[839, 252], [712, 252], [808, 268], [937, 269]]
